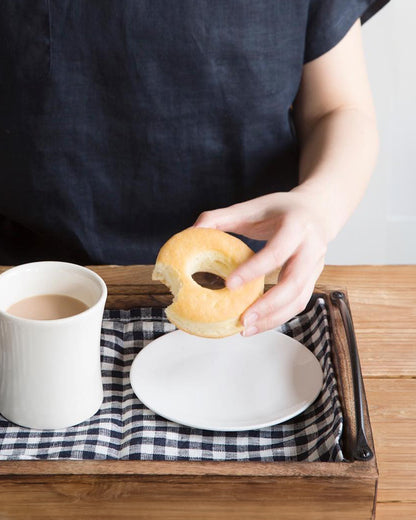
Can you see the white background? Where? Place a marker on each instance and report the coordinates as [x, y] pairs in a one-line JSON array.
[[383, 228]]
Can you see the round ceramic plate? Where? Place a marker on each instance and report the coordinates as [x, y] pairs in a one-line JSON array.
[[228, 384]]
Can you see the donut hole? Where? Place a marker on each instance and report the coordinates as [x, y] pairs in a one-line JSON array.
[[209, 269], [209, 280]]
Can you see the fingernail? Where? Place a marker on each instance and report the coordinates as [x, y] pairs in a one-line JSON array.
[[250, 319], [234, 282], [250, 331]]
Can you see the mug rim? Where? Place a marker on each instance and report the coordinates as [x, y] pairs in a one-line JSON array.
[[78, 267]]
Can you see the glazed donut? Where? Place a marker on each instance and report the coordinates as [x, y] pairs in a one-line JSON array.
[[196, 309]]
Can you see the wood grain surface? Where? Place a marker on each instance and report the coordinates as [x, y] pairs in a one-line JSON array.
[[383, 303], [179, 498]]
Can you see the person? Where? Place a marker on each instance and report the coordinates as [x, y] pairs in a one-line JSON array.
[[123, 122]]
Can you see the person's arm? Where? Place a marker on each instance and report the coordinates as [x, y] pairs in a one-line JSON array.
[[336, 125]]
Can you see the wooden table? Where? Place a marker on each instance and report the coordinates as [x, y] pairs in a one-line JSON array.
[[383, 303]]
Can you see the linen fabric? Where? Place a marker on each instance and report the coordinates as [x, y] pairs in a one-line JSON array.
[[122, 120]]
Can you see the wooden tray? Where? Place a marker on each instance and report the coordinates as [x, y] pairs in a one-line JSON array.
[[184, 490]]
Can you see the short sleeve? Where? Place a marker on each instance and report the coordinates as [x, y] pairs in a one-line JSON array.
[[330, 20]]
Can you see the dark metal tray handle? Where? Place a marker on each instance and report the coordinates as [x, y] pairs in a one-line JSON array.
[[362, 449]]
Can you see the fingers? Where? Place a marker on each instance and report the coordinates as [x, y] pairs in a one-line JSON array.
[[288, 298], [296, 242], [282, 246], [245, 218], [226, 219], [288, 311]]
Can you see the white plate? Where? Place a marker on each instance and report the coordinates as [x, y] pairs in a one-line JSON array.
[[228, 384]]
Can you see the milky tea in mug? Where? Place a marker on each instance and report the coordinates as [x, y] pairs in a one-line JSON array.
[[47, 307], [50, 328]]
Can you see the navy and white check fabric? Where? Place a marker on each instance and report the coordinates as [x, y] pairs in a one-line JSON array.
[[125, 429]]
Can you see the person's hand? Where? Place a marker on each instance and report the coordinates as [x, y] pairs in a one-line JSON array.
[[297, 237]]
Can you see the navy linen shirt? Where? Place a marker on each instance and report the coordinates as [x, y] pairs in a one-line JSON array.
[[122, 120]]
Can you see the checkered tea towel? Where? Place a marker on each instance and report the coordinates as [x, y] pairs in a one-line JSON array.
[[125, 429]]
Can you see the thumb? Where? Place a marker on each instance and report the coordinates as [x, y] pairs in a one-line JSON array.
[[274, 254]]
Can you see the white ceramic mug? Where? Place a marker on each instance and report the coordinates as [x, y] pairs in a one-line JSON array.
[[50, 370]]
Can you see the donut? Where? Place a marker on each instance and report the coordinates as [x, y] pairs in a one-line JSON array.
[[199, 310]]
